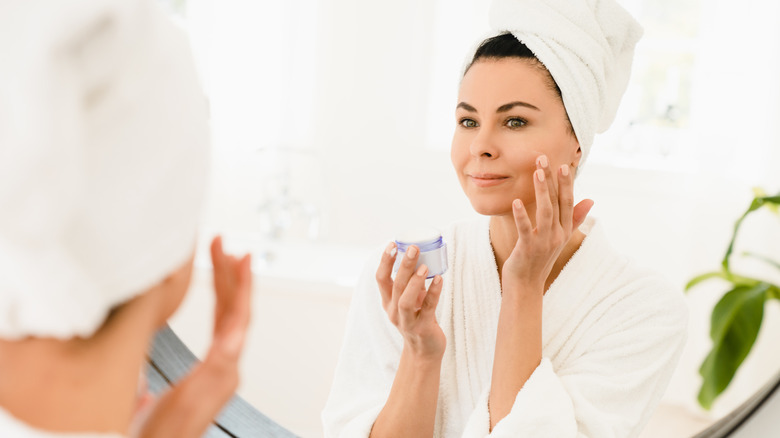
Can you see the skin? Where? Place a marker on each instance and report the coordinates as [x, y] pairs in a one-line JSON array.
[[93, 384], [515, 157]]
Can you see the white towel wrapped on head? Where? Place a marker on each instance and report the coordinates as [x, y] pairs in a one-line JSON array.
[[588, 48], [103, 160]]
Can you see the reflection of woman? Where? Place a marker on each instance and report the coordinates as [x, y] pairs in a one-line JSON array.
[[539, 328], [103, 155]]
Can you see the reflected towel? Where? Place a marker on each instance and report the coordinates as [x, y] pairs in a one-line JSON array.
[[103, 156]]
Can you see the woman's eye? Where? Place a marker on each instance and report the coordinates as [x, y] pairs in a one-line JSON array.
[[468, 123], [515, 123]]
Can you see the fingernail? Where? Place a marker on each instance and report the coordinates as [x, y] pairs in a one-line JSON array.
[[517, 204], [390, 250], [565, 170], [412, 251], [422, 271], [543, 161], [540, 175], [437, 280]]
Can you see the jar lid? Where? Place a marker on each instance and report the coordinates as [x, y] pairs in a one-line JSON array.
[[416, 236]]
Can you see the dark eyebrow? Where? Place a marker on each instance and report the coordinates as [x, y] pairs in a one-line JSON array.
[[506, 107], [467, 107], [502, 109]]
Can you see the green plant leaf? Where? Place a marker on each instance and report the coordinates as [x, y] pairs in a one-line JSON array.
[[773, 293], [758, 202], [772, 199], [703, 277], [773, 203], [734, 279], [734, 326], [754, 205]]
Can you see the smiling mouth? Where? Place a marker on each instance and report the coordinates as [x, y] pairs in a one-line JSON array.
[[487, 180]]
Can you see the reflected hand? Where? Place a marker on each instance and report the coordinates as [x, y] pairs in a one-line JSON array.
[[537, 249], [409, 306], [191, 405]]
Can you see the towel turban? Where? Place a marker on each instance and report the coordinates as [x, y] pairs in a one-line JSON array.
[[586, 45], [103, 160]]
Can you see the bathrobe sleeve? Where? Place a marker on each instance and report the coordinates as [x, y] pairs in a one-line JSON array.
[[610, 385], [367, 363], [11, 427]]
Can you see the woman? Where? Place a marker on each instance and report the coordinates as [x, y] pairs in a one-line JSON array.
[[103, 162], [539, 328]]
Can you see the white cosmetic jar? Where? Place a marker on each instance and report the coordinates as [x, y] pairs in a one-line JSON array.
[[433, 250]]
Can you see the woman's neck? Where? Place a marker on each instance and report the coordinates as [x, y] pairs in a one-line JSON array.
[[503, 238], [77, 385]]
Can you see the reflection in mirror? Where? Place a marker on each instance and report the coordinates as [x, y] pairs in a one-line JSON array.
[[332, 133]]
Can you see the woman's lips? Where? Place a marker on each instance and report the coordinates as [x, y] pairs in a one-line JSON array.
[[487, 179]]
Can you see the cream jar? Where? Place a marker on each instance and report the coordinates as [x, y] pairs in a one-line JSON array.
[[433, 250]]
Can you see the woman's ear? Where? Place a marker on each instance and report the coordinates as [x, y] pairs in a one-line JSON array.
[[577, 155]]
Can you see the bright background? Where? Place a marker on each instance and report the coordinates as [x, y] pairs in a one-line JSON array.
[[331, 125]]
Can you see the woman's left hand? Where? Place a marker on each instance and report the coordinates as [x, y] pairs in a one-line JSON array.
[[537, 249]]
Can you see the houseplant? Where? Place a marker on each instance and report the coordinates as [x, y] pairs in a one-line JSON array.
[[736, 318]]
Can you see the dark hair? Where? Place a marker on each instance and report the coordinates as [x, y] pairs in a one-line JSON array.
[[507, 45]]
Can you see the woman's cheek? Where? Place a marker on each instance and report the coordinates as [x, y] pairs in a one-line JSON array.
[[458, 154], [524, 179]]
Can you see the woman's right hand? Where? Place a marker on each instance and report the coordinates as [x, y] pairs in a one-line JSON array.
[[409, 306], [190, 406]]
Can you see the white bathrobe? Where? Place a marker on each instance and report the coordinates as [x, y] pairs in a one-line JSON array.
[[612, 334], [12, 427]]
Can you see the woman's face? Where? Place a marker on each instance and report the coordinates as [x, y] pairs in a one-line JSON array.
[[507, 116]]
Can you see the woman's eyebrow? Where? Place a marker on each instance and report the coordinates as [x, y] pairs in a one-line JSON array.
[[508, 106], [466, 107], [502, 109]]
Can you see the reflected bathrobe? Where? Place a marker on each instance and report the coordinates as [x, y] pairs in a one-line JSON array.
[[11, 427], [612, 334]]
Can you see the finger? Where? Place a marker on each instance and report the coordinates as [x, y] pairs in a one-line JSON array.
[[243, 300], [432, 297], [549, 177], [581, 211], [566, 197], [216, 250], [410, 301], [221, 264], [230, 335], [405, 272], [231, 329], [522, 221], [544, 210], [384, 273], [189, 408], [233, 305]]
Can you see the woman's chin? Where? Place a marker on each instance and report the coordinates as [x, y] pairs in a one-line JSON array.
[[492, 208]]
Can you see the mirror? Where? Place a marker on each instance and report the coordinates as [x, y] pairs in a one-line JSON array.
[[332, 119]]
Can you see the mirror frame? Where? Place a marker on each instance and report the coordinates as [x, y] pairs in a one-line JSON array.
[[169, 360], [748, 411]]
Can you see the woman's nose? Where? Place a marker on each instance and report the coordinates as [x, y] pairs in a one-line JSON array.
[[483, 145]]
